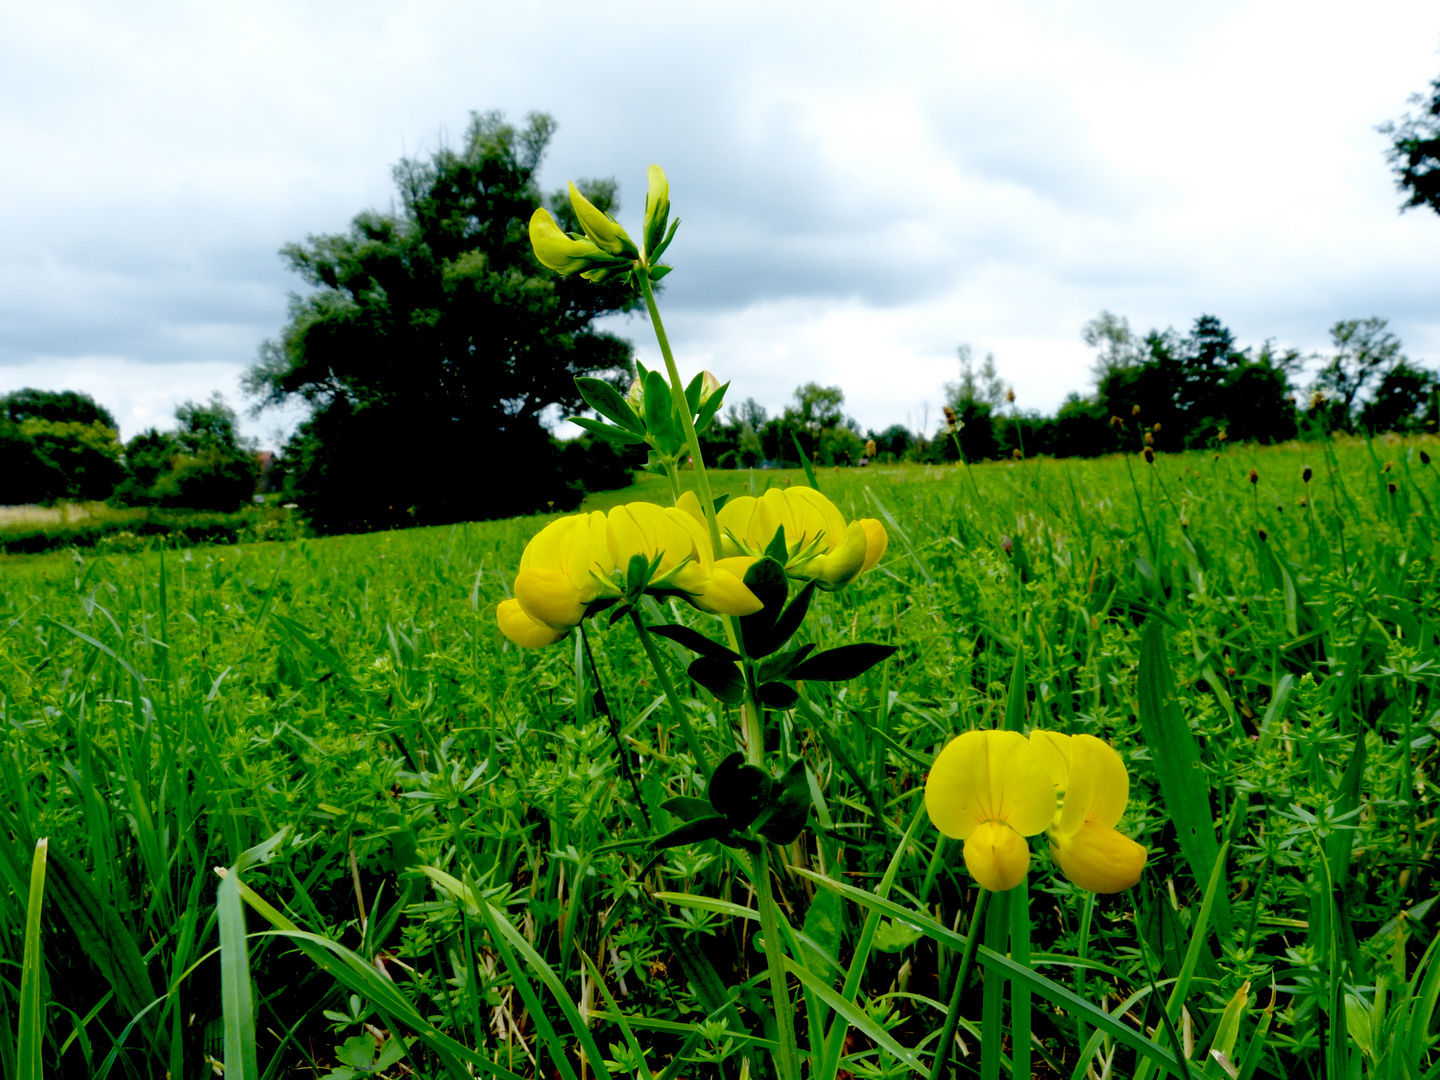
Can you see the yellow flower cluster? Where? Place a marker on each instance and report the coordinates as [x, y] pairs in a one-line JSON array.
[[579, 563], [994, 788], [818, 542]]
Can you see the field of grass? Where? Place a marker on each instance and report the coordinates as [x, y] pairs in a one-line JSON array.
[[327, 746]]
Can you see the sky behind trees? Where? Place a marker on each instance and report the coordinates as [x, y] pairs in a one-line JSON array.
[[862, 186]]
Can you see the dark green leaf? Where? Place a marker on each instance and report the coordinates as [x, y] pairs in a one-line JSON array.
[[789, 807], [637, 574], [845, 662], [659, 413], [607, 401], [708, 410], [721, 500], [794, 615], [780, 665], [804, 461], [739, 791], [611, 434], [777, 695], [688, 808], [692, 832], [695, 641], [692, 392], [766, 579], [658, 272], [721, 677]]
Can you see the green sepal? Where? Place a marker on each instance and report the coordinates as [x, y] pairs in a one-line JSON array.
[[780, 665], [637, 574], [653, 256], [688, 808], [739, 791], [777, 548], [607, 432], [659, 411], [708, 410], [620, 613], [846, 662], [692, 832], [721, 677], [658, 272], [789, 807], [609, 403], [766, 579], [777, 695], [692, 392], [695, 641]]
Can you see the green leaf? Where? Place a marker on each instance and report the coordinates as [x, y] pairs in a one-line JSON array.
[[721, 677], [789, 807], [605, 431], [695, 641], [692, 832], [692, 392], [707, 413], [777, 695], [688, 808], [609, 403], [780, 665], [1176, 760], [236, 1001], [793, 615], [893, 937], [739, 791], [766, 579], [31, 1036], [845, 662], [804, 461], [659, 413]]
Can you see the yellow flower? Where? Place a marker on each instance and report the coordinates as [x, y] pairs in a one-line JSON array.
[[557, 249], [991, 789], [579, 563], [604, 231], [1083, 838], [819, 544]]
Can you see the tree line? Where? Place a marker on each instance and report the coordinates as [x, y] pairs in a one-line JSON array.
[[64, 446]]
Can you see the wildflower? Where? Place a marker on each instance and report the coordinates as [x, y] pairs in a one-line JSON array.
[[603, 248], [818, 542], [1095, 788], [991, 789], [582, 563]]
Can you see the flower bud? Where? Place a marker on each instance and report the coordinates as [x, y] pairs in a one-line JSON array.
[[603, 230], [635, 396], [709, 384], [557, 250], [657, 210]]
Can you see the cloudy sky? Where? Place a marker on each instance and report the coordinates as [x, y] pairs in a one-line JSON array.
[[863, 186]]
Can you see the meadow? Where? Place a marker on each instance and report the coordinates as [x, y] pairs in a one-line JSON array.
[[302, 798]]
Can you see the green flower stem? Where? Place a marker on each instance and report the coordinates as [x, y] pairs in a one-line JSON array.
[[952, 1014], [692, 739], [787, 1066], [677, 391]]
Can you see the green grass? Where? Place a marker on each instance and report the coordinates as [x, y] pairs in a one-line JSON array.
[[450, 804]]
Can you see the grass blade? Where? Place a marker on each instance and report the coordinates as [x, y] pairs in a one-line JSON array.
[[32, 1013]]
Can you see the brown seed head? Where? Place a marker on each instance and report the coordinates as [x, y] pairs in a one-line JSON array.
[[1017, 455], [1115, 421], [1392, 487], [1134, 410], [1305, 474], [1424, 458], [1388, 466], [1304, 501], [1010, 394], [1149, 456], [1149, 439], [950, 417], [1262, 534], [1156, 428], [1254, 477], [1221, 435]]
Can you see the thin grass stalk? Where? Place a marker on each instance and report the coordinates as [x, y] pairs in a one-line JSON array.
[[31, 1036], [952, 1013], [677, 708]]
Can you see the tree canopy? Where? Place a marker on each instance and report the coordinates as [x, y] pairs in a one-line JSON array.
[[1414, 150], [433, 343]]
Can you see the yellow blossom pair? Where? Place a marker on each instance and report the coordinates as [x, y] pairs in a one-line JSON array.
[[578, 563], [994, 788], [818, 542]]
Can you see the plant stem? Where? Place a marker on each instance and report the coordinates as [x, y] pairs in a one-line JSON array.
[[677, 391], [692, 740], [952, 1014], [787, 1064]]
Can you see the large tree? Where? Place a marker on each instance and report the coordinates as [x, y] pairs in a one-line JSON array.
[[433, 343], [1414, 151]]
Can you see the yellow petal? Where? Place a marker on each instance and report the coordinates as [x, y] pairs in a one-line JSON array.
[[876, 541], [691, 505], [555, 249], [1099, 860], [989, 776], [817, 515], [843, 563], [1053, 748], [996, 856], [726, 594], [1097, 788], [550, 597], [522, 629], [737, 524], [599, 226]]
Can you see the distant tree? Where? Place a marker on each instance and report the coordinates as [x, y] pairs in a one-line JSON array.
[[818, 407], [983, 386], [1364, 351], [204, 464], [1414, 150], [894, 443], [56, 406], [972, 400], [434, 344], [1116, 346], [1404, 400]]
